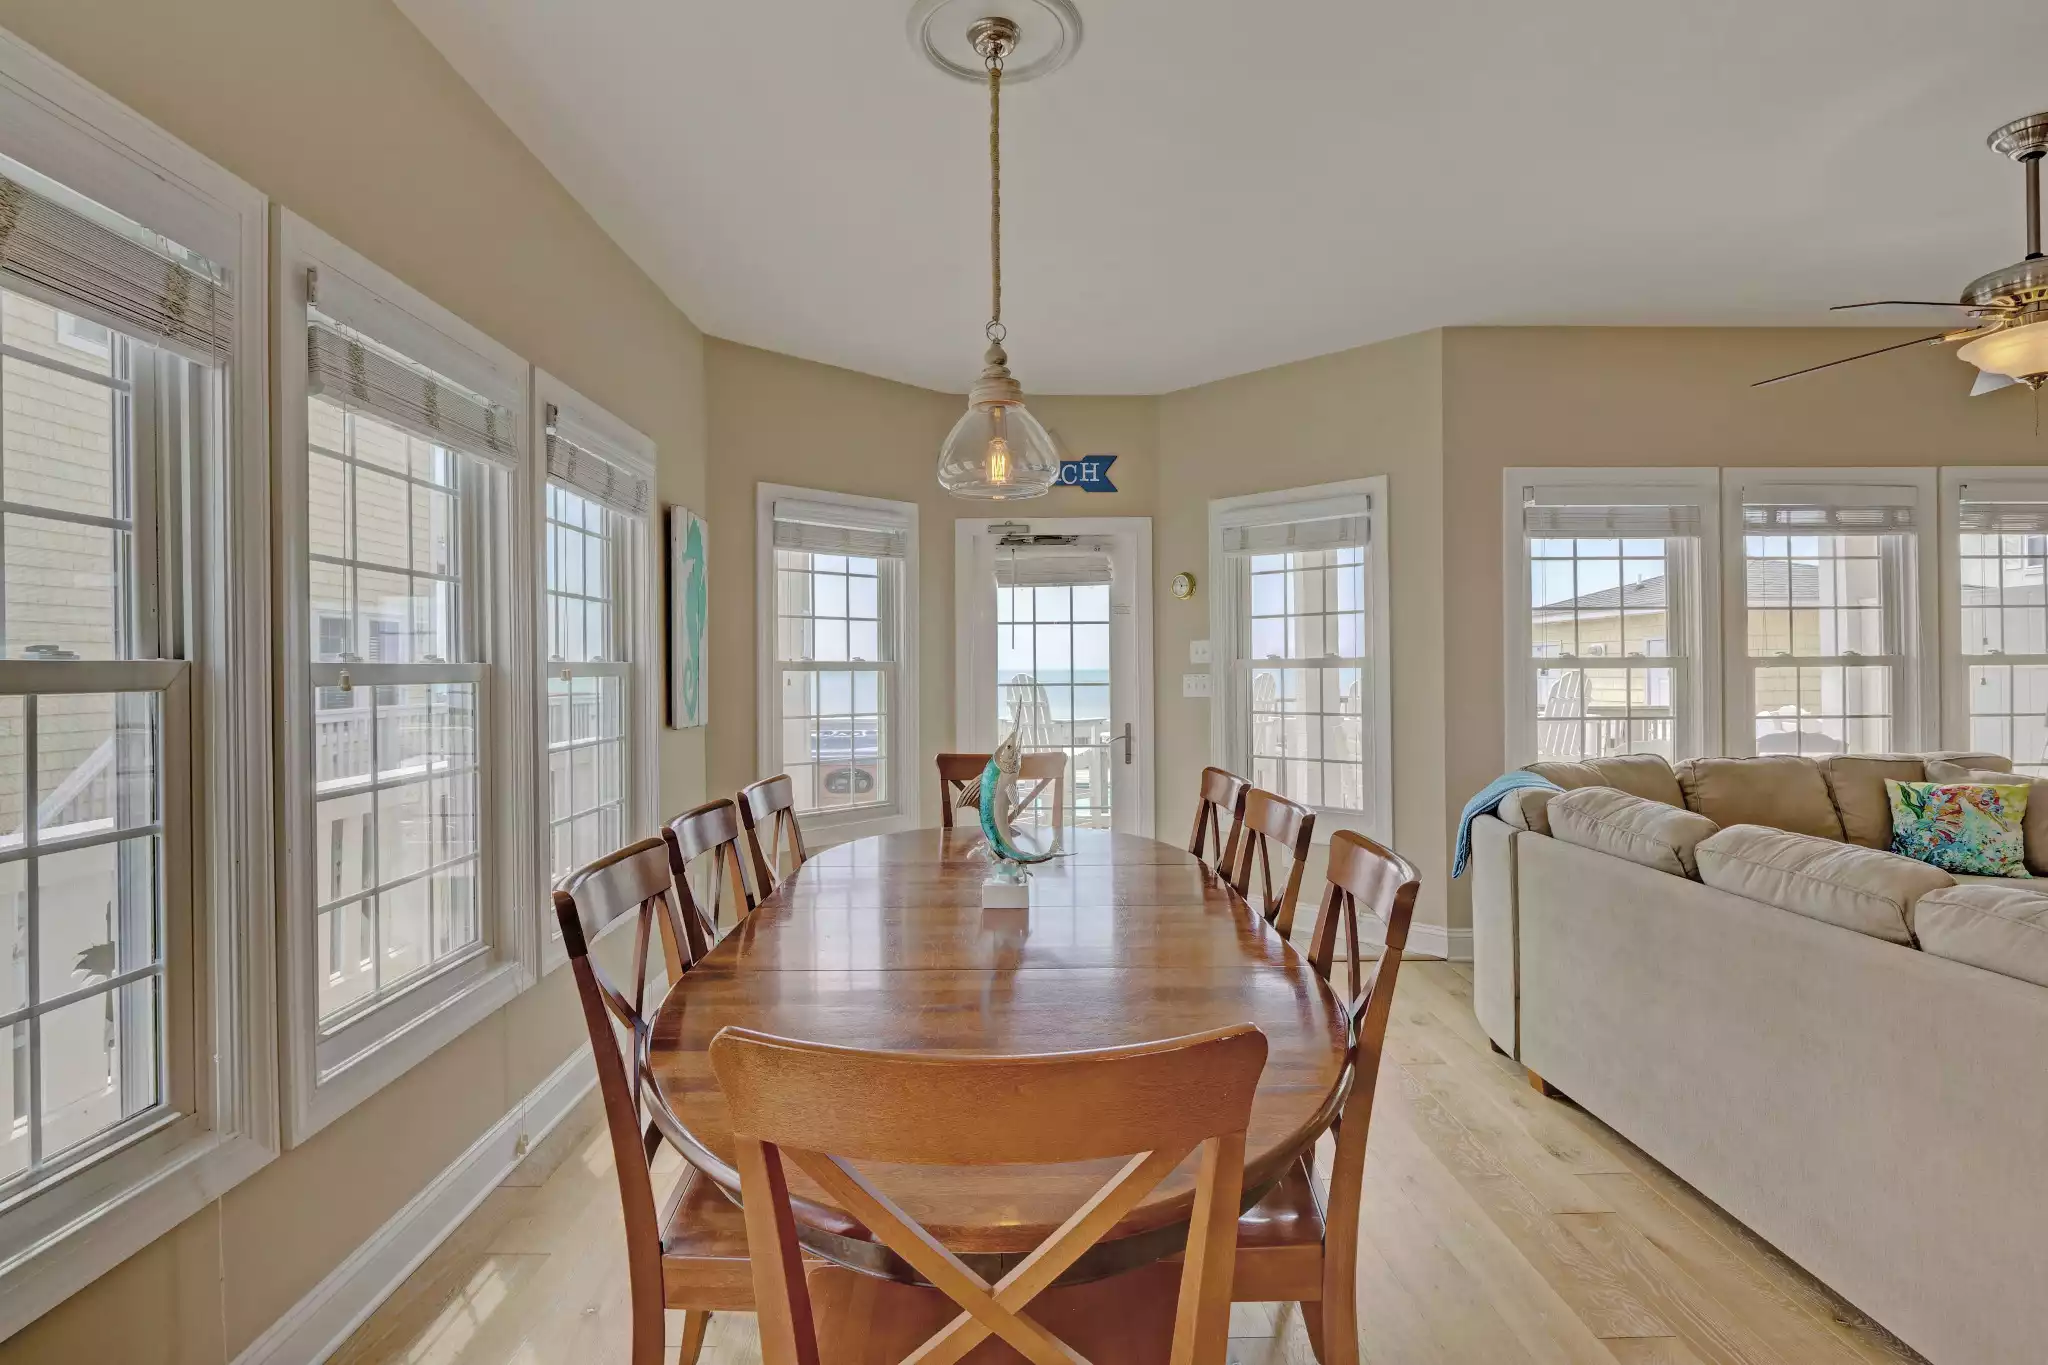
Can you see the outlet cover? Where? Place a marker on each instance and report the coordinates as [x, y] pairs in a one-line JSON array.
[[1194, 684], [1198, 652]]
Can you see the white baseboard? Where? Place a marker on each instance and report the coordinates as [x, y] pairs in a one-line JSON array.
[[316, 1326], [1424, 940]]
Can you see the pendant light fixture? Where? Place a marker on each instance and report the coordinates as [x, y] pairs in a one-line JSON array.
[[997, 450]]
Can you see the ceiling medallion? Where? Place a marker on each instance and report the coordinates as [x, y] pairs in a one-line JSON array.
[[1047, 33], [997, 450]]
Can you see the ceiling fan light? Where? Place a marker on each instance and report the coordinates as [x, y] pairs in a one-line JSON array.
[[2018, 352]]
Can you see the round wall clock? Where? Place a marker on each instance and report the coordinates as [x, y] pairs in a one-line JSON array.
[[1183, 586]]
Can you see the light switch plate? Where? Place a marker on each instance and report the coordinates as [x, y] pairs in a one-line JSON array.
[[1198, 652], [1194, 684]]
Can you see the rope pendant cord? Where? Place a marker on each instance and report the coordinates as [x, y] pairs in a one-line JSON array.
[[996, 331]]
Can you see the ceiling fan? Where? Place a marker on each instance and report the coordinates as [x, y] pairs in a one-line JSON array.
[[2008, 339]]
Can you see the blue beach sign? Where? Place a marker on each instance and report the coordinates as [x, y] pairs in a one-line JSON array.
[[1090, 474]]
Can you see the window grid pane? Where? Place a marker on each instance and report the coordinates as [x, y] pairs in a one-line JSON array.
[[396, 785], [2004, 613], [1053, 691], [1603, 599], [1822, 600], [584, 577], [1305, 675], [834, 683], [82, 907]]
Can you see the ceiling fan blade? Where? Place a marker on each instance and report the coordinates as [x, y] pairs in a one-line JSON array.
[[1899, 303], [1900, 346], [1987, 382]]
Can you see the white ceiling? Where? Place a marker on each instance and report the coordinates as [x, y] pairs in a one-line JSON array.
[[1215, 186]]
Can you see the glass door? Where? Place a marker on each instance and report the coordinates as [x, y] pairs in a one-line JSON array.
[[1052, 651]]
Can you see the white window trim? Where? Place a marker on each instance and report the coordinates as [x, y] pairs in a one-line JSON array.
[[388, 1040], [1350, 498], [70, 1233], [626, 447], [1916, 712], [822, 828], [1955, 665], [1697, 734]]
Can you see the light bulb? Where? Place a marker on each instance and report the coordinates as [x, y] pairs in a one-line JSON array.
[[999, 461]]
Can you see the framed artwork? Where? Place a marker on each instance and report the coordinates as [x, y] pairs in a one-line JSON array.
[[689, 606]]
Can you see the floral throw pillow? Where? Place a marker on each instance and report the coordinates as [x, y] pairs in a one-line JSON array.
[[1960, 827]]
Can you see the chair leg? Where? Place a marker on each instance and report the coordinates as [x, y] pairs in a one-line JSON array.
[[696, 1322], [1334, 1329]]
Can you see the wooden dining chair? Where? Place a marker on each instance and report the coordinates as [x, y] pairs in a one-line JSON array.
[[1273, 819], [712, 828], [1221, 792], [1292, 1246], [820, 1107], [960, 782], [771, 802], [691, 1253]]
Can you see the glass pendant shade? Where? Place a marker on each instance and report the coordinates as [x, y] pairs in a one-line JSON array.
[[997, 451], [2020, 352]]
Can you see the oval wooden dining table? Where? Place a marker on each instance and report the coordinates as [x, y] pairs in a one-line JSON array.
[[883, 943]]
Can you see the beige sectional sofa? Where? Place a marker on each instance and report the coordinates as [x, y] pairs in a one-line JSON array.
[[1846, 1050]]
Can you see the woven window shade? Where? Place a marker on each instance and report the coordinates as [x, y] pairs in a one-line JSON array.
[[1322, 533], [1828, 510], [1608, 513], [1053, 567], [830, 529], [133, 282], [2003, 509], [360, 374], [597, 478]]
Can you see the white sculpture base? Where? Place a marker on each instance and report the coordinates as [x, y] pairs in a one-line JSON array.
[[1007, 887]]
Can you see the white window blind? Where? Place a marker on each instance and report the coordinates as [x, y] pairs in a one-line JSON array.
[[1313, 533], [2003, 509], [822, 528], [1637, 514], [1053, 567], [575, 462], [1791, 509], [114, 272], [355, 355]]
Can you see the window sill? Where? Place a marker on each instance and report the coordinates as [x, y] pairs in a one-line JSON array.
[[62, 1240], [377, 1064]]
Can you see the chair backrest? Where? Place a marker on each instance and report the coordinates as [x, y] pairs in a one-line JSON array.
[[632, 881], [821, 1107], [1360, 870], [1221, 792], [1273, 819], [771, 802], [960, 782], [712, 828]]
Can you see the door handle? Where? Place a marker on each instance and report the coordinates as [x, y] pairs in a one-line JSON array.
[[1127, 741]]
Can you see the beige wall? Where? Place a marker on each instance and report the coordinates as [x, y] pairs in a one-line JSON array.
[[1535, 396], [777, 419], [1374, 410], [341, 111]]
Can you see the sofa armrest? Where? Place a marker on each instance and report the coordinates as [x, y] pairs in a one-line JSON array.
[[1496, 931]]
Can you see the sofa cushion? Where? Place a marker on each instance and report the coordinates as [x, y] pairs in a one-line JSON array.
[[1856, 784], [2033, 826], [1841, 884], [1970, 827], [1631, 828], [1780, 790], [2002, 929], [1527, 808], [1644, 775]]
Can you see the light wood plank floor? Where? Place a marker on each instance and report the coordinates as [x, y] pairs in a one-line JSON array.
[[1499, 1227]]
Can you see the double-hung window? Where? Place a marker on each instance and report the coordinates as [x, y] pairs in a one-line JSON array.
[[1607, 600], [1831, 587], [135, 1063], [1299, 629], [838, 616], [1998, 674], [595, 632], [405, 483]]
